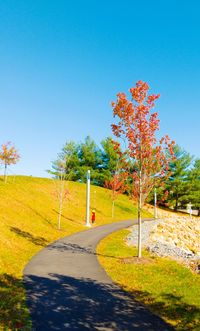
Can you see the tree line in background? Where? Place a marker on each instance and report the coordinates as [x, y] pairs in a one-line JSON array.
[[78, 158], [106, 166]]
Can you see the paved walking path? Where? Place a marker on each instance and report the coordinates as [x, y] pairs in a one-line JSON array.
[[67, 289]]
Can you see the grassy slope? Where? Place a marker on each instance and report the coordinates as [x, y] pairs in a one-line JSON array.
[[28, 214], [167, 288]]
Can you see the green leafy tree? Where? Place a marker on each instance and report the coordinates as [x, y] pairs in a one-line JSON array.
[[90, 157], [69, 160], [102, 161], [110, 159], [194, 181], [178, 184]]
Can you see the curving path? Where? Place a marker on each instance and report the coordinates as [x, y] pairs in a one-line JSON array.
[[67, 289]]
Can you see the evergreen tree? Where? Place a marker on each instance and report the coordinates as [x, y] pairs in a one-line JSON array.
[[110, 159], [78, 158], [68, 157], [178, 184], [90, 157], [194, 181]]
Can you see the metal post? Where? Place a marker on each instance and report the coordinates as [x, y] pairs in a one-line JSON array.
[[155, 204], [140, 217], [190, 209], [88, 200]]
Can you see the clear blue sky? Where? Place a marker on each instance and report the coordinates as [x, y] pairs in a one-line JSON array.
[[62, 63]]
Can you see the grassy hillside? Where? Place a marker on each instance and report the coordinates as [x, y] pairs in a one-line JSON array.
[[28, 214]]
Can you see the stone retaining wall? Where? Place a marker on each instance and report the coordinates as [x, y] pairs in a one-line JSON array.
[[174, 236]]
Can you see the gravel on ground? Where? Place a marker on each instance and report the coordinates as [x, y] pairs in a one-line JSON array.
[[157, 239]]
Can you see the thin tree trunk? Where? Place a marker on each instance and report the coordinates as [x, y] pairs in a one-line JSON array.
[[59, 214], [5, 173], [113, 208], [60, 202], [176, 204], [140, 217]]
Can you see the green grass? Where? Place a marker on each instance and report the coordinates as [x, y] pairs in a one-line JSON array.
[[28, 214], [164, 286]]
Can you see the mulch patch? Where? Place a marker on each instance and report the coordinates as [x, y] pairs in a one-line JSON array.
[[137, 260]]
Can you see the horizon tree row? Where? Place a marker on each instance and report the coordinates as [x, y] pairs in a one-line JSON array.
[[106, 166], [79, 157]]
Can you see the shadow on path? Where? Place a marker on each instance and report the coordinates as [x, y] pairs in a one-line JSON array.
[[75, 248], [67, 303]]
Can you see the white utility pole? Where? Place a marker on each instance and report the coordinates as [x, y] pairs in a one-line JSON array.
[[140, 217], [88, 200], [155, 204]]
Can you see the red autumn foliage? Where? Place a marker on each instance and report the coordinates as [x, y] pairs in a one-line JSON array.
[[117, 184], [9, 154], [138, 126], [65, 194], [150, 158]]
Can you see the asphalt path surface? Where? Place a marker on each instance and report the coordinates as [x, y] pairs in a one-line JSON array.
[[67, 289]]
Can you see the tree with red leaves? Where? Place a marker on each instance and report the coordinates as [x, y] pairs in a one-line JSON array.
[[117, 183], [137, 126], [117, 186], [8, 155], [61, 193]]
